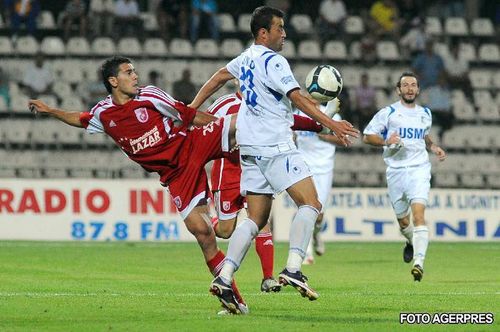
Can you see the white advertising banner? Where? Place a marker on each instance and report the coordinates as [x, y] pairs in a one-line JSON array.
[[366, 215], [141, 210]]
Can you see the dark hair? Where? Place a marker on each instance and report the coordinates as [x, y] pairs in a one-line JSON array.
[[110, 69], [407, 74], [262, 18]]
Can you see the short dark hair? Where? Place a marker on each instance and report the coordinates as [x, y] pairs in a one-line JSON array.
[[262, 17], [407, 74], [110, 69]]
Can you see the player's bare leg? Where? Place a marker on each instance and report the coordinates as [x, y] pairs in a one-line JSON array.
[[420, 239], [304, 194], [224, 228]]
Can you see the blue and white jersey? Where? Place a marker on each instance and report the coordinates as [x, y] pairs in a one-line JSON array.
[[412, 125], [266, 115], [319, 155]]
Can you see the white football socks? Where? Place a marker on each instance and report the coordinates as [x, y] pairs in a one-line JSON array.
[[300, 234], [420, 243], [239, 243], [407, 232]]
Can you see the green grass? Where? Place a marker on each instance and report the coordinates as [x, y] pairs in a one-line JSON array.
[[164, 287]]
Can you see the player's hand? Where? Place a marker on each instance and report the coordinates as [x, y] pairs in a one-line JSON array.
[[393, 139], [344, 130], [38, 106], [438, 152]]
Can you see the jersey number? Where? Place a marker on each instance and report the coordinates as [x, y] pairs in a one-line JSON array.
[[247, 85]]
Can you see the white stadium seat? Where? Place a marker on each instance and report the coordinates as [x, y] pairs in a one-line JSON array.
[[433, 26], [378, 77], [288, 50], [78, 46], [442, 49], [354, 25], [244, 22], [496, 82], [351, 76], [226, 22], [103, 46], [155, 47], [6, 47], [489, 53], [302, 23], [335, 50], [480, 79], [149, 21], [206, 48], [482, 27], [46, 20], [467, 51], [27, 45], [309, 49], [231, 47], [53, 46], [387, 50], [181, 47], [456, 26], [129, 46]]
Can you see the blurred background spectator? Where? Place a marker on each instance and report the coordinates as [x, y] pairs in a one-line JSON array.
[[413, 42], [332, 15], [365, 108], [438, 99], [101, 17], [428, 66], [172, 16], [457, 70], [38, 78], [127, 21], [91, 91], [184, 89], [21, 12], [385, 15], [204, 12], [75, 11]]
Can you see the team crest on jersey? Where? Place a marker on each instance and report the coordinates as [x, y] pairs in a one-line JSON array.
[[141, 114], [177, 202], [226, 205], [296, 169]]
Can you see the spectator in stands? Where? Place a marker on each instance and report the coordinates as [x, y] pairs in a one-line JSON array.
[[457, 69], [172, 17], [155, 79], [385, 17], [75, 10], [368, 45], [101, 15], [439, 101], [4, 88], [415, 39], [204, 10], [127, 19], [365, 102], [428, 66], [409, 11], [38, 78], [22, 12], [332, 14], [91, 91], [183, 89]]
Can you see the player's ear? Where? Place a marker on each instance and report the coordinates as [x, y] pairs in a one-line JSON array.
[[113, 81]]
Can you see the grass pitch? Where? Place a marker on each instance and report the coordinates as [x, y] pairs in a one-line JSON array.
[[164, 287]]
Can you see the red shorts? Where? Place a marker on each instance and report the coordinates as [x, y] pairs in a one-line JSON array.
[[228, 203], [189, 185]]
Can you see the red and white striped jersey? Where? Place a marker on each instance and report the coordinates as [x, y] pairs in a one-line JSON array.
[[150, 128], [226, 172]]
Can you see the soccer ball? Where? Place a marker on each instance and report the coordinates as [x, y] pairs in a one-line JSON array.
[[324, 83]]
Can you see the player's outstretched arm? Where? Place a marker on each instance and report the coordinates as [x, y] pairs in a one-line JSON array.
[[376, 140], [436, 149], [342, 129], [70, 118], [213, 84], [203, 118]]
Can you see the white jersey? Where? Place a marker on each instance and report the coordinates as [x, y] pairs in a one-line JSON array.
[[266, 116], [412, 125], [318, 154]]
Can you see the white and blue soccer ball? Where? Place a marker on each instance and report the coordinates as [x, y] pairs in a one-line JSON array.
[[324, 83]]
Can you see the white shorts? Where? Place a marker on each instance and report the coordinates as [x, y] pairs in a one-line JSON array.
[[408, 185], [323, 183], [272, 175]]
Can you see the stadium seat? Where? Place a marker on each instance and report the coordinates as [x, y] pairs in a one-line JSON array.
[[433, 26], [464, 111], [68, 135], [206, 48], [44, 132], [454, 138], [381, 99], [231, 47], [354, 25], [482, 97], [3, 105], [489, 53], [456, 26], [53, 46], [50, 100], [226, 22], [496, 81], [445, 179], [309, 50], [300, 72], [378, 77], [489, 112], [103, 46], [302, 23], [351, 76], [335, 50], [442, 49], [6, 47], [467, 51], [387, 51], [288, 50], [19, 103], [493, 181], [68, 71], [155, 47], [480, 79], [15, 131], [62, 89], [130, 46], [472, 180], [244, 22], [482, 27], [78, 46], [181, 47], [46, 20], [355, 50], [201, 71], [27, 45], [73, 104]]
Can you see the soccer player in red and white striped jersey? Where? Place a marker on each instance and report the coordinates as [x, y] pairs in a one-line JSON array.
[[151, 128]]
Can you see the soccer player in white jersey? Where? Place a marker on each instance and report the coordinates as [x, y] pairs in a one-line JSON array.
[[269, 158], [402, 129], [318, 150]]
